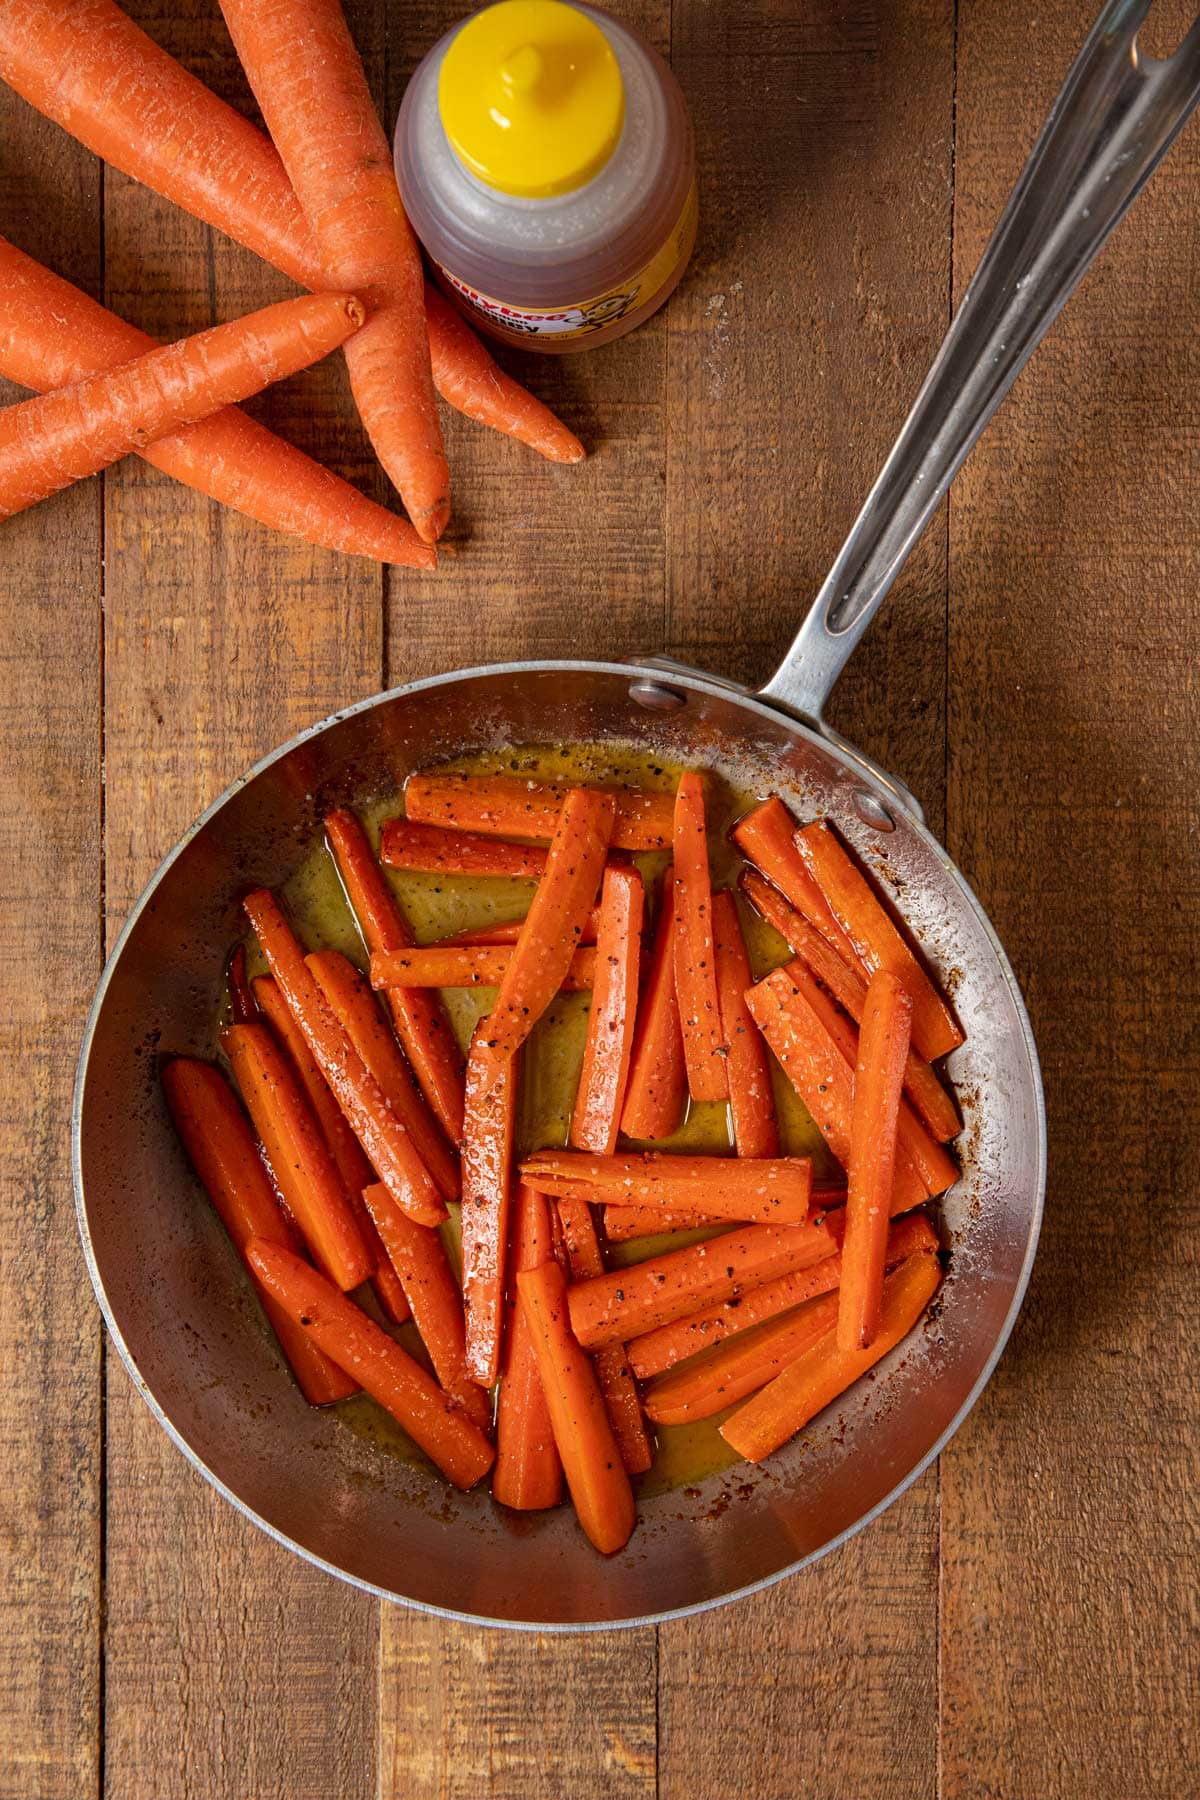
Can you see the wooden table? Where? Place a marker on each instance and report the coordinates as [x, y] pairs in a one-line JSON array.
[[1018, 1624]]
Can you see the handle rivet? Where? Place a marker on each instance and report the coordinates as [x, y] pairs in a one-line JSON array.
[[655, 697], [872, 811]]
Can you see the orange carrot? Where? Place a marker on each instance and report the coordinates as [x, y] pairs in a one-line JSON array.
[[478, 965], [302, 1166], [921, 1082], [585, 1261], [431, 1417], [406, 844], [765, 838], [591, 1459], [704, 1048], [419, 1258], [494, 936], [602, 1082], [226, 1157], [751, 1098], [622, 1223], [782, 1408], [391, 1150], [490, 1119], [54, 439], [513, 806], [242, 1007], [878, 1079], [725, 1375], [528, 1472], [876, 940], [470, 380], [420, 1018], [657, 1088], [776, 1189], [626, 1303]]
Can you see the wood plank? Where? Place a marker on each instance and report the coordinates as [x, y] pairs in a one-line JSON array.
[[50, 1330], [1069, 1648]]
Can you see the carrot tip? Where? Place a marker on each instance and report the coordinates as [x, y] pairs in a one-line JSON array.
[[356, 312]]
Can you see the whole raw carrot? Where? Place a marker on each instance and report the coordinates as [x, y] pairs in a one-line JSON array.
[[878, 1080], [308, 80], [657, 1089], [528, 1473], [585, 1260], [751, 1097], [54, 439], [765, 838], [225, 1155], [704, 1049], [513, 806], [431, 1417], [487, 1181], [591, 1459], [243, 1009], [407, 844], [420, 1018], [476, 965], [775, 1189], [470, 380], [720, 1377], [600, 1096], [782, 1408]]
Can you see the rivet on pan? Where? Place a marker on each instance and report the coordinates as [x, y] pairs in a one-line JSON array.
[[655, 697], [872, 811]]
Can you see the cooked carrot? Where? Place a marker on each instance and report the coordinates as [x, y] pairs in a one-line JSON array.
[[418, 1257], [470, 380], [657, 1088], [407, 844], [243, 1009], [720, 1377], [622, 1223], [765, 838], [528, 1472], [420, 1018], [704, 1049], [511, 806], [656, 1351], [591, 1459], [601, 1092], [431, 1417], [921, 1082], [877, 942], [495, 936], [777, 1188], [782, 1408], [751, 1097], [487, 1181], [392, 1153], [585, 1260], [353, 1006], [303, 1169], [878, 1081], [477, 965], [54, 439], [626, 1303], [225, 1155]]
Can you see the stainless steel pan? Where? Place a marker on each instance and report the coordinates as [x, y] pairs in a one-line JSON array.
[[167, 1279]]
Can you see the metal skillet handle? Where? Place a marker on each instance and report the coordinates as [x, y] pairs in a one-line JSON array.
[[1115, 119]]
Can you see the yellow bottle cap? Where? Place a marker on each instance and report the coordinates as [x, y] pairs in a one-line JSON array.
[[531, 97]]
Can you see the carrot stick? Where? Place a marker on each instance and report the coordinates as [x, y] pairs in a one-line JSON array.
[[609, 1044], [494, 936], [420, 1018], [431, 1417], [776, 1189], [657, 1088], [528, 1472], [626, 1303], [243, 1009], [470, 380], [921, 1082], [511, 806], [487, 1178], [54, 439], [720, 1377], [751, 1098], [591, 1459], [454, 966], [353, 1005], [419, 1259], [391, 1150], [624, 1408], [704, 1049], [782, 1408], [623, 1223], [877, 943], [226, 1157], [765, 838], [656, 1351], [302, 1166], [878, 1080], [407, 844]]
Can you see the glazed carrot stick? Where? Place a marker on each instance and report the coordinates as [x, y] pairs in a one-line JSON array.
[[528, 1473], [622, 1223], [513, 806], [921, 1082], [419, 1258], [353, 1005], [470, 380], [656, 1351], [720, 1377], [775, 1189], [765, 838], [704, 1049], [477, 965], [751, 1097], [657, 1087], [878, 1080], [782, 1408], [585, 1261], [243, 1009], [225, 1156], [303, 1169], [431, 1417], [591, 1459], [420, 1018], [877, 942], [391, 1151], [600, 1096], [54, 439], [487, 1181], [493, 936], [406, 844], [626, 1303]]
